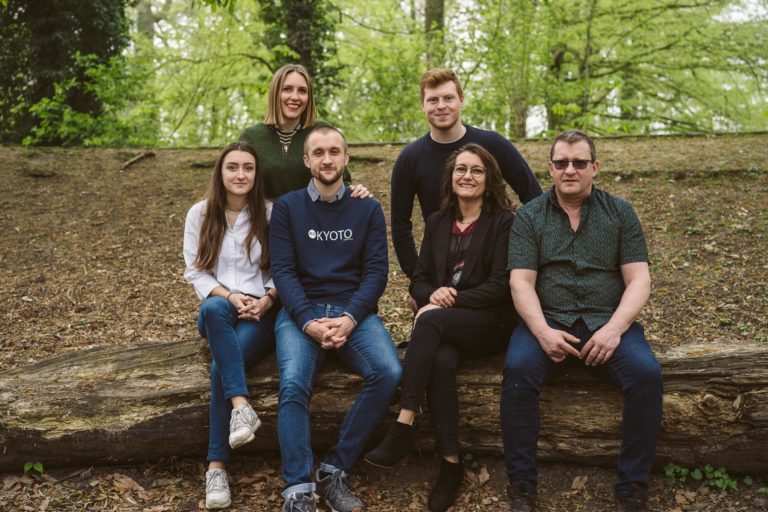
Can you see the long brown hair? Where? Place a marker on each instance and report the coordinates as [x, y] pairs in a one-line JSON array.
[[275, 112], [215, 221], [495, 198]]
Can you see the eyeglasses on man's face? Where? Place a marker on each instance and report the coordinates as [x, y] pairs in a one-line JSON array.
[[578, 164], [477, 171]]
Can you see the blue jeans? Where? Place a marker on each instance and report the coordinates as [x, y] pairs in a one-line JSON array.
[[632, 367], [368, 352], [235, 344]]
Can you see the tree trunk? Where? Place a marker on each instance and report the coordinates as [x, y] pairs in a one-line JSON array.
[[115, 405], [434, 22]]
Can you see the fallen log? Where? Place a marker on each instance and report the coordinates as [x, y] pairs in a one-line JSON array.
[[117, 405]]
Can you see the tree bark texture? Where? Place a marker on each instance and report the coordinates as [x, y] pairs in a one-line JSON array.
[[118, 405]]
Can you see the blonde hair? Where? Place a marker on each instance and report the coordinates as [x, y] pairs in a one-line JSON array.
[[274, 112]]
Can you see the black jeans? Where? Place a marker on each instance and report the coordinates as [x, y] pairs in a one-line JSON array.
[[440, 339]]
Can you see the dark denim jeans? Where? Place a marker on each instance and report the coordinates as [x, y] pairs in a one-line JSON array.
[[235, 345], [368, 352], [632, 367]]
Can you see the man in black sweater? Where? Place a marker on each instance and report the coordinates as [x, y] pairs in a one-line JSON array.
[[418, 171]]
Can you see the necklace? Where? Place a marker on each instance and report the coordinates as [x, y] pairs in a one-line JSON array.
[[286, 137], [467, 221]]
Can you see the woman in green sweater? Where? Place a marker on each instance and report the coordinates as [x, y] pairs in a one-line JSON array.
[[279, 140]]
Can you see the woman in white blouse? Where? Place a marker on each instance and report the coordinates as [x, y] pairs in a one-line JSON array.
[[227, 263]]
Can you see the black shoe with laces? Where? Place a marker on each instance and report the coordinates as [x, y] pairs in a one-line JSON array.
[[633, 498], [396, 445], [520, 498]]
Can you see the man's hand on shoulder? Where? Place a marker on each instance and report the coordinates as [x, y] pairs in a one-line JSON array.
[[601, 346], [359, 191], [557, 344]]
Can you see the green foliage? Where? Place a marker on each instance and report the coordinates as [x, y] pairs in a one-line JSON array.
[[676, 475], [33, 466], [380, 100], [303, 31], [40, 40], [707, 474], [126, 117]]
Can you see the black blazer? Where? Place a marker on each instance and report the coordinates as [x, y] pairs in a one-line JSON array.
[[484, 281]]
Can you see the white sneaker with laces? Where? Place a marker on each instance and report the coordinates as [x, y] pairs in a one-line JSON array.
[[217, 493], [242, 425]]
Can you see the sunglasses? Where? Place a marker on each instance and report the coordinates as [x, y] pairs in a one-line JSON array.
[[562, 165]]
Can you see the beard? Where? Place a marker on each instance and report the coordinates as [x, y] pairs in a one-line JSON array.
[[328, 181]]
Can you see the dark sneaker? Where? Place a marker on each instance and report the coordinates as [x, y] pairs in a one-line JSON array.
[[396, 445], [520, 498], [217, 489], [300, 502], [334, 490], [243, 423], [634, 498]]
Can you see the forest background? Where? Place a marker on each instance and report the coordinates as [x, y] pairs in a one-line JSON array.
[[195, 73]]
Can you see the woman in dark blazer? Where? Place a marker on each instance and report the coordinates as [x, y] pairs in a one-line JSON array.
[[461, 286]]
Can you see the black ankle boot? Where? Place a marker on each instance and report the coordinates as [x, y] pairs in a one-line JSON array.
[[449, 480], [396, 445]]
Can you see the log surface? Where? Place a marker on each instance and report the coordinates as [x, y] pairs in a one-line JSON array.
[[116, 405]]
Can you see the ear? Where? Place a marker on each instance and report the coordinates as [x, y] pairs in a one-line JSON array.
[[306, 161], [346, 158], [595, 168], [552, 169]]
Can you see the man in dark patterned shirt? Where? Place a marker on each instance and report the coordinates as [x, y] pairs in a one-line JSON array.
[[579, 278]]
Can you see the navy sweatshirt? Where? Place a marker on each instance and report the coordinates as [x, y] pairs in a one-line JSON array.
[[418, 172], [328, 253]]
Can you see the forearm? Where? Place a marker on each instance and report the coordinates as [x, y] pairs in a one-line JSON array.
[[633, 300], [527, 305]]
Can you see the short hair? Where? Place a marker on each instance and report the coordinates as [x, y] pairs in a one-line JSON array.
[[439, 76], [274, 112], [495, 199], [324, 128], [572, 137]]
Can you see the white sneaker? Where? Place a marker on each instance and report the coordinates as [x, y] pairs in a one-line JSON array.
[[242, 425], [217, 489]]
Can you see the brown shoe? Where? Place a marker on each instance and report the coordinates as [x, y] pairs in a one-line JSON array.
[[520, 498], [632, 499]]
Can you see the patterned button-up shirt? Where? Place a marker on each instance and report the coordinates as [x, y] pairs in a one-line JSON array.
[[578, 272]]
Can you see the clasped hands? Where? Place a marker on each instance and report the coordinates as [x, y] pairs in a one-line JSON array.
[[330, 333], [596, 351], [250, 308]]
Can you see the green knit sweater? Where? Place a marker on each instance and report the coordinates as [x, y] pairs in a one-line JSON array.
[[283, 172]]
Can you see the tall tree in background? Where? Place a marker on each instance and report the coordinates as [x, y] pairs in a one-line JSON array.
[[40, 39], [651, 65], [434, 25], [303, 31]]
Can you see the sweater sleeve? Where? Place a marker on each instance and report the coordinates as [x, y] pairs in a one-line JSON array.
[[373, 279], [403, 193], [516, 170], [495, 288], [422, 285], [283, 257]]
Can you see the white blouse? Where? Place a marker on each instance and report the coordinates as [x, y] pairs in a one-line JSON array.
[[232, 270]]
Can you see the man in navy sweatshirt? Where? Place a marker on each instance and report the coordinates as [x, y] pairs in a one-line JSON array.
[[329, 264], [418, 171]]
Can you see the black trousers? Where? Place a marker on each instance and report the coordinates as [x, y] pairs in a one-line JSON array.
[[440, 340]]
